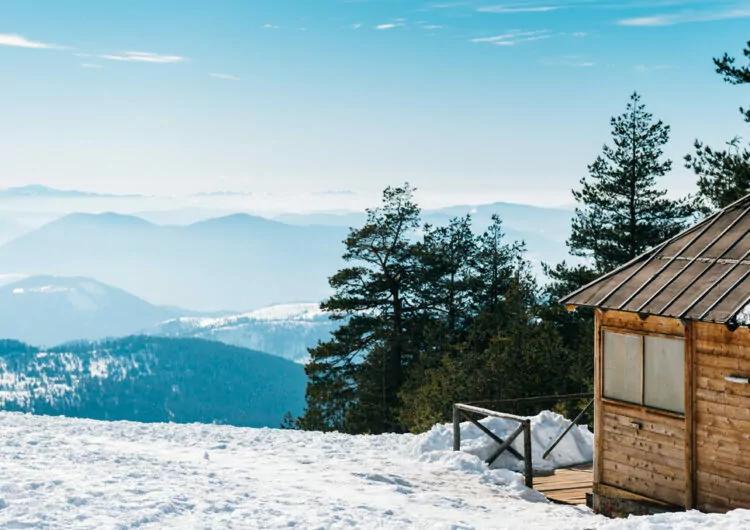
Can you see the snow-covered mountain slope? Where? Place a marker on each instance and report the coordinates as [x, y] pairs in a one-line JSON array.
[[70, 473], [151, 379], [286, 330]]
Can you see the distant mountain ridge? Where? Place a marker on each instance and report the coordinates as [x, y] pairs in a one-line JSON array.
[[236, 261], [151, 379], [39, 191], [544, 230]]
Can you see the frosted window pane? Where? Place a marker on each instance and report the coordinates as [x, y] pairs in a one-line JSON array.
[[664, 386], [623, 366]]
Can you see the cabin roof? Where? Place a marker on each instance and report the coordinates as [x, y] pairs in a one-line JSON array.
[[700, 274]]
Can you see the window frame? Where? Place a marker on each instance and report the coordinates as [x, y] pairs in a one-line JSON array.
[[642, 334]]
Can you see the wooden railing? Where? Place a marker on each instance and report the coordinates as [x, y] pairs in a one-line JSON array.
[[524, 427], [459, 409]]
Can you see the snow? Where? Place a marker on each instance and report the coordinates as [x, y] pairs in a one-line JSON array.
[[65, 473], [743, 317]]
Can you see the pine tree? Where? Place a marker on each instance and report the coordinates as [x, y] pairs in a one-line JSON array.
[[621, 212], [735, 75], [355, 377], [456, 366], [446, 277], [723, 174]]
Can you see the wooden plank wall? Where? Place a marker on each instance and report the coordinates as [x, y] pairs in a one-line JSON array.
[[650, 459], [722, 418]]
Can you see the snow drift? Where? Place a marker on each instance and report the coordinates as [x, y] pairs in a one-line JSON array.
[[576, 448]]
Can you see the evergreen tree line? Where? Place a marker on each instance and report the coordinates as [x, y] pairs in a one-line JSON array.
[[432, 315]]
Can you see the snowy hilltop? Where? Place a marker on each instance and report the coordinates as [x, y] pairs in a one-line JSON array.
[[70, 473], [286, 330]]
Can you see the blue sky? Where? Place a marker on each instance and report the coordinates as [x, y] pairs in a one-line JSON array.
[[490, 99]]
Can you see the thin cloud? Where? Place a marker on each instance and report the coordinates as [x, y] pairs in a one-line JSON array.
[[432, 27], [519, 8], [445, 5], [17, 41], [145, 57], [388, 26], [226, 77], [90, 65], [271, 26], [81, 55], [356, 26], [572, 61], [684, 17], [512, 38], [644, 68]]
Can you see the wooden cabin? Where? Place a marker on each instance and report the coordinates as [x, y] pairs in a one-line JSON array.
[[672, 372]]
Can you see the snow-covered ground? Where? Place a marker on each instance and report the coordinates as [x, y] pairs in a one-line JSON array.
[[71, 473]]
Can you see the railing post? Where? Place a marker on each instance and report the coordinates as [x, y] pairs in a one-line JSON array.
[[528, 464], [456, 429]]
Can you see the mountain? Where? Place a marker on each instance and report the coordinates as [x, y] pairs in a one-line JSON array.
[[10, 229], [285, 330], [39, 191], [48, 310], [151, 379], [237, 261]]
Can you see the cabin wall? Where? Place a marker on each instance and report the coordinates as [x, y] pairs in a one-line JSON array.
[[638, 449], [722, 417]]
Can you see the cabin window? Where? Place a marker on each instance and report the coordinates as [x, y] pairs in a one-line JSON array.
[[644, 370]]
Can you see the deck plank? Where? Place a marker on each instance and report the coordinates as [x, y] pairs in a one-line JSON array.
[[567, 486]]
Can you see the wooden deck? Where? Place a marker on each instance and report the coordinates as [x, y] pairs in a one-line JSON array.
[[567, 486]]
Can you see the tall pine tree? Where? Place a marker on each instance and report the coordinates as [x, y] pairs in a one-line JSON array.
[[621, 211], [355, 377]]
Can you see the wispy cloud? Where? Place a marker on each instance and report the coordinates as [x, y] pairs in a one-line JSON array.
[[512, 38], [8, 39], [573, 61], [645, 68], [519, 8], [390, 25], [356, 26], [90, 65], [145, 57], [431, 26], [684, 17], [445, 5], [226, 77], [271, 26]]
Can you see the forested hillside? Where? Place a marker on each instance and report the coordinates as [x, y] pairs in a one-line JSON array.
[[151, 379]]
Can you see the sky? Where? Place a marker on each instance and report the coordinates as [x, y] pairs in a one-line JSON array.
[[475, 100]]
